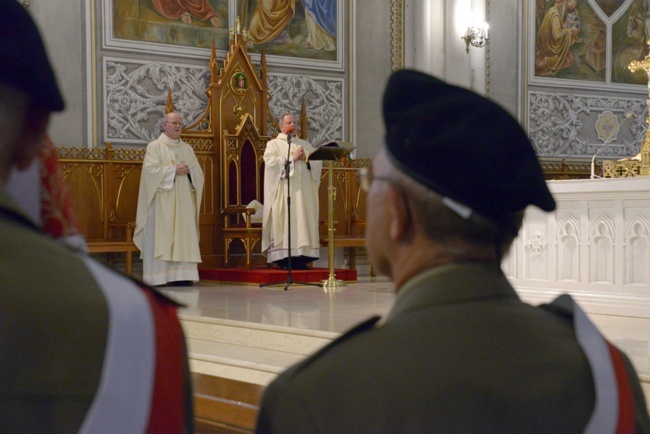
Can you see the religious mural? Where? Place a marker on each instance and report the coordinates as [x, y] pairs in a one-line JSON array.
[[296, 28], [193, 23], [303, 33], [589, 40], [629, 37]]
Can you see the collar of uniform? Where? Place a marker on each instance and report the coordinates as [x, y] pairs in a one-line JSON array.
[[12, 208], [450, 284]]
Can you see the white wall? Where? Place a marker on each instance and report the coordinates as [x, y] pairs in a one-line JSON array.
[[62, 26], [505, 61], [371, 66], [433, 39]]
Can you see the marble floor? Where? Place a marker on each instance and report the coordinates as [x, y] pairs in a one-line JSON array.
[[251, 334], [300, 306], [310, 308]]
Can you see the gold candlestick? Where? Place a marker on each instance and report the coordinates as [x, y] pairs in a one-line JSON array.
[[332, 285]]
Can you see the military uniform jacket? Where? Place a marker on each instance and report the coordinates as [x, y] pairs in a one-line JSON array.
[[83, 348], [458, 353]]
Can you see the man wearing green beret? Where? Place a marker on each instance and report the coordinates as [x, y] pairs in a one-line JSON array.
[[459, 352]]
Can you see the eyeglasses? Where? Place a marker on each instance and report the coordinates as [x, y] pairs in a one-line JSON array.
[[176, 124], [366, 178]]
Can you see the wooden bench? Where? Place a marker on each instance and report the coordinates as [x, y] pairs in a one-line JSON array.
[[104, 184], [125, 246]]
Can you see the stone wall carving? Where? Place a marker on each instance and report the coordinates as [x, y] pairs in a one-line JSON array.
[[323, 98], [563, 125], [136, 92], [135, 95]]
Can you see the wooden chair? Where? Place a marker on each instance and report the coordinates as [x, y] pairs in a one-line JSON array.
[[242, 181]]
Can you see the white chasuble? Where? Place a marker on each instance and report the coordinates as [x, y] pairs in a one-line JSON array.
[[167, 222], [304, 182]]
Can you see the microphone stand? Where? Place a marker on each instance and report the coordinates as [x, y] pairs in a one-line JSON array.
[[287, 169], [593, 160]]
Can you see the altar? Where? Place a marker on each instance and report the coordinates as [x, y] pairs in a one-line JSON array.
[[596, 247]]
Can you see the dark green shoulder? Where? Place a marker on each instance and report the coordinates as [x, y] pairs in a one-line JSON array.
[[362, 327]]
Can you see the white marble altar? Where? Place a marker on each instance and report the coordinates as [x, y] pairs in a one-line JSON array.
[[595, 246], [597, 242]]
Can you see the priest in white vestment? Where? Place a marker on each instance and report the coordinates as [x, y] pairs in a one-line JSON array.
[[304, 181], [167, 221]]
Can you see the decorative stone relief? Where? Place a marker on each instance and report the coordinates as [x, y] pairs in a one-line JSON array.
[[637, 251], [568, 249], [536, 244], [136, 93], [324, 103], [564, 125], [601, 250]]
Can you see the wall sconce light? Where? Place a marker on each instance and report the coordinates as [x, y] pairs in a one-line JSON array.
[[476, 36]]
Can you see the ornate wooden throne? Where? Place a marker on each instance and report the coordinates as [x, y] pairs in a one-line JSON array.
[[235, 122]]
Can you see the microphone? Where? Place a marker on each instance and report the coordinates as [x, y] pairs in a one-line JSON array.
[[593, 160], [287, 164]]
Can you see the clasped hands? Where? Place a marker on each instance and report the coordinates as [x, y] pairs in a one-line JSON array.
[[182, 169], [299, 154]]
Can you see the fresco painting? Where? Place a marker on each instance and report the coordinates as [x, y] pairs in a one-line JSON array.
[[293, 28], [571, 39], [305, 29], [192, 23], [629, 37]]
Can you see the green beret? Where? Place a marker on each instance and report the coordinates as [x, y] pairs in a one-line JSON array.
[[23, 60], [462, 146]]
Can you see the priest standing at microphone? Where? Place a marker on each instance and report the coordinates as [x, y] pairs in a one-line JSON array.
[[302, 187]]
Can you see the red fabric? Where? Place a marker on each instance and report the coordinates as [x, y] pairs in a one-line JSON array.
[[168, 400], [57, 211], [272, 275], [173, 9], [625, 401]]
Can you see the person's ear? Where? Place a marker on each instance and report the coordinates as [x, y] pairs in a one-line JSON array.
[[400, 222], [30, 138]]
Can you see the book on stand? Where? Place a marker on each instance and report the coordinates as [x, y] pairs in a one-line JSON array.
[[334, 150]]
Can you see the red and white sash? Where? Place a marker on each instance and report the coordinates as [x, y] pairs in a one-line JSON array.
[[142, 384], [614, 407]]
